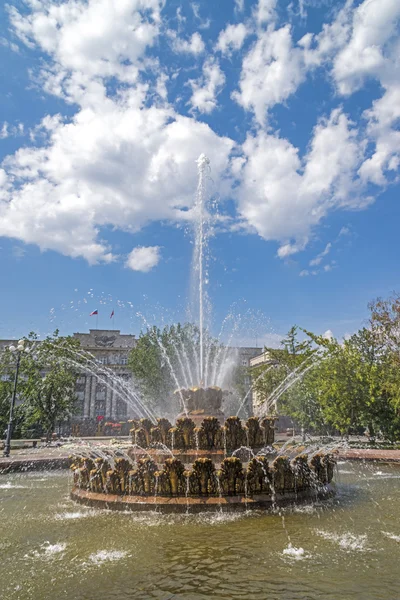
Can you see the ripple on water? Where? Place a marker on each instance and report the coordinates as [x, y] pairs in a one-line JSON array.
[[104, 556], [391, 536], [48, 551], [70, 516], [347, 541], [295, 553], [9, 485]]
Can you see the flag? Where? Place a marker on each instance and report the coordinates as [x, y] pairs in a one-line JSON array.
[[112, 314], [95, 312]]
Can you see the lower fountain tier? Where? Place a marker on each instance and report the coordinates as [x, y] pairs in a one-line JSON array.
[[179, 504]]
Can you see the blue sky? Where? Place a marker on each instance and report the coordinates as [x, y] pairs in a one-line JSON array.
[[104, 108]]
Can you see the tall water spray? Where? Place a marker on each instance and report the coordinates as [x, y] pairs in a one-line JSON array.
[[202, 230]]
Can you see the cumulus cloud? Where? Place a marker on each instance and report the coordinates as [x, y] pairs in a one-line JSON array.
[[374, 25], [265, 11], [143, 258], [126, 157], [195, 45], [98, 38], [272, 70], [119, 161], [232, 38], [121, 166], [206, 88], [283, 196]]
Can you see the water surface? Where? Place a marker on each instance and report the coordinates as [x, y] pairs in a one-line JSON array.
[[348, 547]]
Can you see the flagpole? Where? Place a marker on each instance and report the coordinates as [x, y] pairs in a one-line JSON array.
[[97, 320]]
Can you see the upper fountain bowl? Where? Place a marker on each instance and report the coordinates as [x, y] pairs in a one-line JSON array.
[[201, 402]]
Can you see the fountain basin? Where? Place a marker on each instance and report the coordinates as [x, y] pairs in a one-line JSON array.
[[169, 505]]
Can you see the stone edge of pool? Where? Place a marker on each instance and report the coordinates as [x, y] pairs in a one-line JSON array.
[[181, 504]]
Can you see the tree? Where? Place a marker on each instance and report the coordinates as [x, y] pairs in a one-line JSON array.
[[50, 374], [357, 384], [7, 374], [283, 381]]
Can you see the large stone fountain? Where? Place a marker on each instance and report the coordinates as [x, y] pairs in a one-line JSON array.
[[194, 468]]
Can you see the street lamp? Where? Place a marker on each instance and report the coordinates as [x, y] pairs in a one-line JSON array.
[[20, 348]]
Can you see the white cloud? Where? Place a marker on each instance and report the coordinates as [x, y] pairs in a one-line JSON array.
[[122, 166], [143, 258], [283, 197], [232, 38], [319, 258], [126, 158], [374, 24], [195, 45], [119, 162], [264, 11], [98, 38], [206, 88], [272, 70], [371, 49], [344, 231], [239, 5], [328, 335], [4, 133]]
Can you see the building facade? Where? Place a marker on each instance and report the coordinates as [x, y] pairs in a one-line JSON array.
[[100, 386], [98, 389]]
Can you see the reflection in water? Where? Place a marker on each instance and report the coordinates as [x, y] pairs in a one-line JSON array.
[[50, 550]]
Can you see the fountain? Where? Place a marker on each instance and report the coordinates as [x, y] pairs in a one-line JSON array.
[[182, 467], [195, 463]]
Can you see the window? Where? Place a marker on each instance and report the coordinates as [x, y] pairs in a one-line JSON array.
[[81, 380], [244, 362], [102, 360], [124, 360], [122, 408], [99, 408]]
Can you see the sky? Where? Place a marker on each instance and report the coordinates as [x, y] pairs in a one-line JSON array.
[[104, 109]]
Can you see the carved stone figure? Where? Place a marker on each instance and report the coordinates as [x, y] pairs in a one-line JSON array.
[[235, 435], [210, 434], [184, 434], [258, 479], [231, 476], [254, 433], [281, 474], [173, 481], [202, 480], [160, 433]]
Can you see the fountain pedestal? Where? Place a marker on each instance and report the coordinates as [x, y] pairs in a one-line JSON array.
[[201, 402]]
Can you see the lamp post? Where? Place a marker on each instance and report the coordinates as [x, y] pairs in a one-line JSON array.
[[20, 348]]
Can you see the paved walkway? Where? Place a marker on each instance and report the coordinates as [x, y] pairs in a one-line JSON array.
[[370, 454]]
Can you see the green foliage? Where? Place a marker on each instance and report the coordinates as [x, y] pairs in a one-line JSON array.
[[344, 387], [285, 380], [46, 384], [357, 384]]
